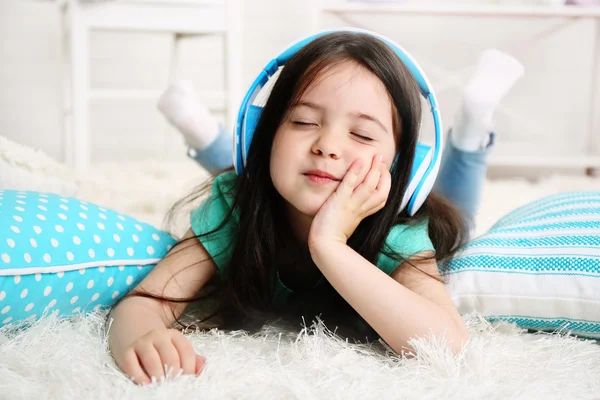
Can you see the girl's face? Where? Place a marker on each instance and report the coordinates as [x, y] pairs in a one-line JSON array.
[[344, 115]]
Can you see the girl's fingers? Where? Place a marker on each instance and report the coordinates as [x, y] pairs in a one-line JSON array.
[[351, 179], [187, 355], [169, 357], [200, 363], [362, 175], [365, 190], [385, 182], [133, 368], [150, 361], [380, 194]]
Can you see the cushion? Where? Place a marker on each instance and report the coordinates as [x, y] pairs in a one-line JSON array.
[[24, 168], [537, 267], [60, 254]]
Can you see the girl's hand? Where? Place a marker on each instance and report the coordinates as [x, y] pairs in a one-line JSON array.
[[146, 358], [356, 197]]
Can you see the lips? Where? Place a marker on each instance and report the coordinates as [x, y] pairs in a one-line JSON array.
[[317, 175]]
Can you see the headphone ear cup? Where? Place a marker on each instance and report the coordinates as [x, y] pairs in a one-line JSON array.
[[243, 126], [251, 121], [423, 156]]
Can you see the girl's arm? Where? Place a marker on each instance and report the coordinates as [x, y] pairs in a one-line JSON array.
[[181, 274], [410, 304]]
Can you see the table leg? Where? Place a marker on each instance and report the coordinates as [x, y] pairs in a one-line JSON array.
[[78, 146]]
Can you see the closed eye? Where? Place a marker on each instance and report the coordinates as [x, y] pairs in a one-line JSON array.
[[303, 123], [361, 137]]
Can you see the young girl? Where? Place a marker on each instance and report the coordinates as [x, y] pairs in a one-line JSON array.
[[311, 227]]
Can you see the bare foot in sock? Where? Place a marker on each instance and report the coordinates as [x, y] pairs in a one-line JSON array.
[[210, 144], [494, 76], [182, 108]]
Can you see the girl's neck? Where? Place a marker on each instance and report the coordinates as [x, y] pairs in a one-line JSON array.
[[296, 268], [300, 224]]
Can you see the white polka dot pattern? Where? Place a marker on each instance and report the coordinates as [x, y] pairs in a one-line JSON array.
[[69, 255]]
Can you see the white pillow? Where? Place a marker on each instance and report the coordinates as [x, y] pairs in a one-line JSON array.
[[26, 169], [537, 267]]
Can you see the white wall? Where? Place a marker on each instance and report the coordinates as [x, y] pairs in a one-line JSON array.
[[551, 103], [31, 75]]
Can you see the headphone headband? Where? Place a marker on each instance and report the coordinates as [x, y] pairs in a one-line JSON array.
[[427, 159]]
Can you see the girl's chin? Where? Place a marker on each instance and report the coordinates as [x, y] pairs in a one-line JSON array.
[[308, 209]]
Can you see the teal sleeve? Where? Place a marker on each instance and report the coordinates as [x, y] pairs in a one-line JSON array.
[[210, 215], [405, 240]]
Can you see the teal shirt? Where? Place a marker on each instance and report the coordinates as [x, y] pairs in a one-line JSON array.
[[405, 240]]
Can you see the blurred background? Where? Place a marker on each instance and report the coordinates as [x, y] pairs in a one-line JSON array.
[[551, 117], [80, 79]]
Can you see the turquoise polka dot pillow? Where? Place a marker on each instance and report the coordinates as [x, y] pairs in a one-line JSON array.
[[538, 267], [68, 256]]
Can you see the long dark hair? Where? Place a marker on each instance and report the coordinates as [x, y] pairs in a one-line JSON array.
[[246, 295]]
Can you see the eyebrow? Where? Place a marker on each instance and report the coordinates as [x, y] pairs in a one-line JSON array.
[[370, 118], [308, 104], [358, 115]]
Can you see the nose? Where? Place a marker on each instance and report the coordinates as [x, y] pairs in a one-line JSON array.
[[326, 145]]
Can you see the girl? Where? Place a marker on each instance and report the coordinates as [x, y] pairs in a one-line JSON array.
[[312, 225]]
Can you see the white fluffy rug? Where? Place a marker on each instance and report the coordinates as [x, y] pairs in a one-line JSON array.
[[69, 359]]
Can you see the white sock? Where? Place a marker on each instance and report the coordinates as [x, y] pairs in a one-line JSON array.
[[495, 74], [182, 108]]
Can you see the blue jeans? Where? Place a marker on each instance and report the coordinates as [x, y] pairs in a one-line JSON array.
[[461, 177]]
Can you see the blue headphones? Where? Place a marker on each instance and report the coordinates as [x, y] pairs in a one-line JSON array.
[[427, 158]]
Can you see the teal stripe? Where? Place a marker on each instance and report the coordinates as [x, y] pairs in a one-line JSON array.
[[582, 327], [566, 206], [560, 201], [550, 265], [475, 269], [583, 256], [584, 241], [550, 201], [588, 211], [553, 201], [551, 226]]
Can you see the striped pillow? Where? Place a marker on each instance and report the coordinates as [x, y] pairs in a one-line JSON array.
[[538, 267]]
